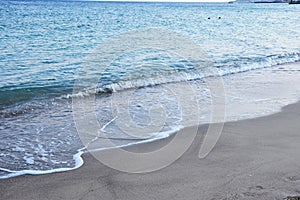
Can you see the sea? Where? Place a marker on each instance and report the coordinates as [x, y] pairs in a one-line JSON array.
[[54, 55]]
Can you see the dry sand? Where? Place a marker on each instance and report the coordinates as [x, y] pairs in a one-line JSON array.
[[254, 159]]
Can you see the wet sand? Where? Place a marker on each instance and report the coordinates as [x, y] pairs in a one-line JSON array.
[[254, 159]]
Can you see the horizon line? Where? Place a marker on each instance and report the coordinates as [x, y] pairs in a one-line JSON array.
[[162, 1]]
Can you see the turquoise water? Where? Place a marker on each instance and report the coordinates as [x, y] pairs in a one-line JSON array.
[[44, 44]]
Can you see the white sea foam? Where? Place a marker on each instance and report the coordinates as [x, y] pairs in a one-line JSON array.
[[158, 136], [77, 158]]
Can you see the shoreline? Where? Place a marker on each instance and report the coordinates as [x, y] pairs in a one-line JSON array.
[[254, 159], [235, 79]]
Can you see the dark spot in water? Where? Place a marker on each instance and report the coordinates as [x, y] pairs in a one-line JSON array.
[[293, 198], [49, 62], [108, 90], [259, 187]]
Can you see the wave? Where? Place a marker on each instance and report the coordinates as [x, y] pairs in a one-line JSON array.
[[10, 96], [223, 68], [247, 64], [23, 93]]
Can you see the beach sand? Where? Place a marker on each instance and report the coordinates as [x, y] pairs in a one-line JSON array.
[[254, 159]]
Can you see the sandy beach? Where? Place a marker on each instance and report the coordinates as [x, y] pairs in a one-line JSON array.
[[254, 159]]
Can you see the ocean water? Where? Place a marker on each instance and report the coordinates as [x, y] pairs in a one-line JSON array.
[[44, 45]]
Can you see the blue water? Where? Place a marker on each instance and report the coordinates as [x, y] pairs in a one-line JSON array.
[[44, 44]]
